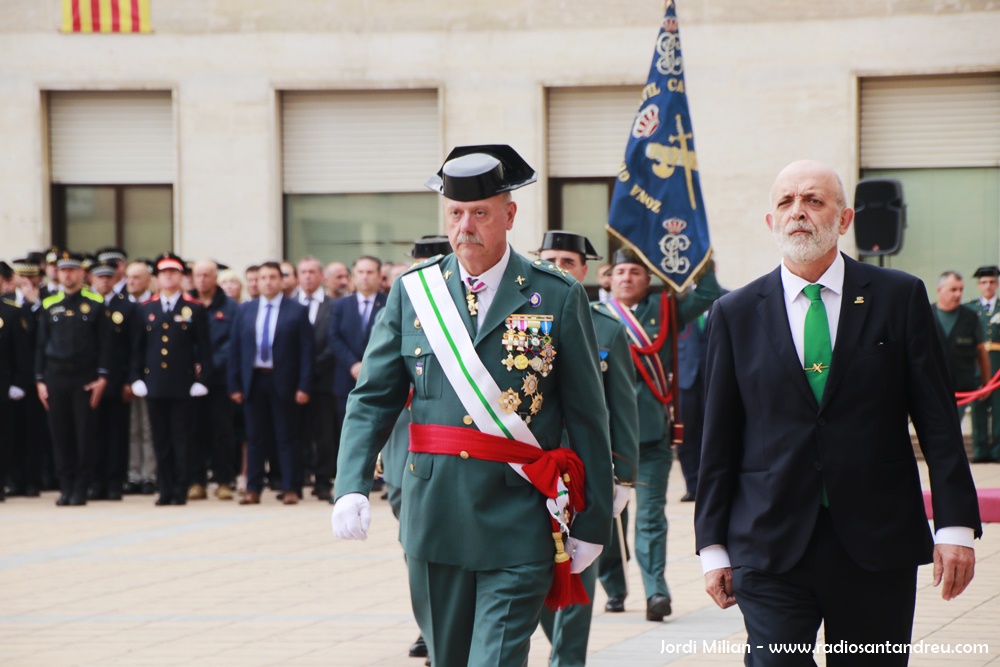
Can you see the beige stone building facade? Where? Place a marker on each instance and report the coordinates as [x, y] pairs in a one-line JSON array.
[[253, 129]]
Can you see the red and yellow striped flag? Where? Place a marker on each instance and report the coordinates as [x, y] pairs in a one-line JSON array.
[[106, 16]]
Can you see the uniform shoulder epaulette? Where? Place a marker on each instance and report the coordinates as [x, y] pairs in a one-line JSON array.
[[152, 299], [603, 309], [550, 268], [53, 299], [93, 296], [190, 299], [11, 303], [424, 263]]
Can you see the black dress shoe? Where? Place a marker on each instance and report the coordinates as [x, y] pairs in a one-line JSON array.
[[63, 500], [321, 494], [148, 488], [615, 605], [31, 492], [131, 488], [113, 495], [418, 649], [657, 607], [163, 500], [78, 499], [98, 493], [687, 498], [179, 500]]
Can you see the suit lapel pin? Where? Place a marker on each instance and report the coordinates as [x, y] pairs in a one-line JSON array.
[[447, 274], [520, 280], [859, 299], [535, 300]]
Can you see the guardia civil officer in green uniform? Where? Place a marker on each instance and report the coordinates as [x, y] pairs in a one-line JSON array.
[[569, 628], [986, 413], [72, 357], [642, 313], [500, 351]]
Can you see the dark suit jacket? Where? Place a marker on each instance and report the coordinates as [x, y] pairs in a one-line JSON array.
[[348, 337], [220, 314], [323, 359], [768, 447], [125, 324], [291, 349]]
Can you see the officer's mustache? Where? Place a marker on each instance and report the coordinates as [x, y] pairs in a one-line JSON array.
[[468, 237]]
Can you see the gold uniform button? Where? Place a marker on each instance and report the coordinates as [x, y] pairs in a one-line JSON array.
[[467, 420], [163, 365], [164, 351], [165, 339], [417, 351], [416, 323], [147, 371], [166, 325], [411, 467], [464, 454]]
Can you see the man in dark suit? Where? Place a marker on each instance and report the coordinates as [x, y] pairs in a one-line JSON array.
[[809, 506], [270, 371], [173, 356], [350, 327], [691, 343], [318, 418]]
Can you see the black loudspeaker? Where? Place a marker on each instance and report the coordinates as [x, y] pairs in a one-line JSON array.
[[879, 216]]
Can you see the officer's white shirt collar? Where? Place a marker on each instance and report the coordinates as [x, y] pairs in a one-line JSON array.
[[276, 301], [141, 298], [110, 295], [169, 302], [492, 277], [316, 296], [991, 304], [119, 286], [797, 303]]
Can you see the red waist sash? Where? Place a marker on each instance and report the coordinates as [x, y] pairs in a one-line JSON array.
[[543, 468]]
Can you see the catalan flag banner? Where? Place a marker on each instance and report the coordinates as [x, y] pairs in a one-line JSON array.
[[105, 16], [656, 207]]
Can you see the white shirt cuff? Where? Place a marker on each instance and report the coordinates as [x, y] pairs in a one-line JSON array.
[[962, 536], [714, 557]]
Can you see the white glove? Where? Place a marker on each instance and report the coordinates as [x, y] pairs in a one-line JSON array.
[[583, 554], [15, 393], [622, 495], [352, 514], [139, 389], [198, 389]]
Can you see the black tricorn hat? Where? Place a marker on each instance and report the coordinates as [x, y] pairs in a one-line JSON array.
[[472, 173], [626, 256], [987, 271], [6, 272], [559, 240], [430, 245]]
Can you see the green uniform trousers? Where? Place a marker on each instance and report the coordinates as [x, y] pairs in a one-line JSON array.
[[986, 436], [610, 568], [569, 629], [481, 618]]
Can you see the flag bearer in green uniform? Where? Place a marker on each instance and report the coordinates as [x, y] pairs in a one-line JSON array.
[[642, 313], [569, 628], [497, 518], [986, 413]]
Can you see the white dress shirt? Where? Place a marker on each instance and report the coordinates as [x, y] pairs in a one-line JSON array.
[[169, 302], [272, 325], [796, 304], [989, 304], [142, 298], [492, 278], [312, 302]]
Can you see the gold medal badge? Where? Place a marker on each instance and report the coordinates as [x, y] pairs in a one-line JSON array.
[[117, 317], [510, 401], [1, 323], [186, 312], [84, 308]]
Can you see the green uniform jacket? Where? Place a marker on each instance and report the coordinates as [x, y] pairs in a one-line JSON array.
[[652, 413], [481, 515], [620, 392], [991, 327]]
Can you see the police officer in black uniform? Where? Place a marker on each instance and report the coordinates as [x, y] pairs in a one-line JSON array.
[[173, 350], [72, 357], [114, 411], [15, 376]]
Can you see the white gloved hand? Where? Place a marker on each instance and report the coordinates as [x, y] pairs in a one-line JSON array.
[[583, 554], [622, 495], [15, 393], [352, 514], [139, 389], [198, 389]]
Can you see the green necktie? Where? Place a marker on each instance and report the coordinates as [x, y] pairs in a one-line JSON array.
[[817, 351]]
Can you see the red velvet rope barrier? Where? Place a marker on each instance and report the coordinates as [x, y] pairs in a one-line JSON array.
[[966, 397]]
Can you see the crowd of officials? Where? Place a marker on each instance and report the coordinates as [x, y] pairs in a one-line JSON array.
[[165, 376]]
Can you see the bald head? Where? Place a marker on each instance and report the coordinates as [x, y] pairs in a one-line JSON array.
[[206, 278], [810, 172]]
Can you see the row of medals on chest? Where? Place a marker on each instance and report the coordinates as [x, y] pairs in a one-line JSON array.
[[528, 342]]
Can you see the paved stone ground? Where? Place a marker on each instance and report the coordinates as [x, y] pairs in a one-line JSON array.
[[213, 583]]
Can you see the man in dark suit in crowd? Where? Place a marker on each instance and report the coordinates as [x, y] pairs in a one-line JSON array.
[[173, 355], [270, 371], [215, 443], [318, 418], [113, 415], [809, 506], [691, 342], [350, 327]]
